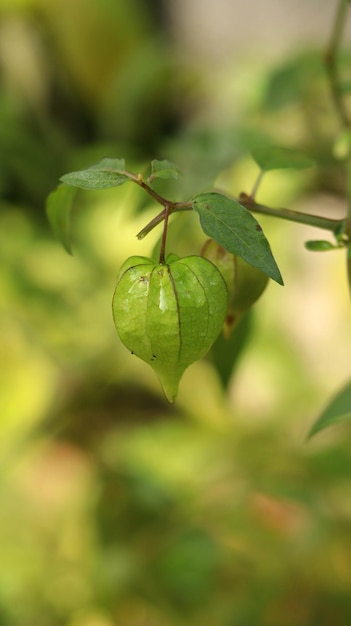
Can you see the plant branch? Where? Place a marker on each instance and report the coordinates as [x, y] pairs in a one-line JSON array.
[[173, 208], [326, 223], [331, 63], [248, 201], [257, 183], [156, 196], [339, 103]]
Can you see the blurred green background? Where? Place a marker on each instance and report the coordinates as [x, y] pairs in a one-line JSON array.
[[117, 509]]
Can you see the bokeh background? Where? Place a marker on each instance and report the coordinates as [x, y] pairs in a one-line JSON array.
[[117, 509]]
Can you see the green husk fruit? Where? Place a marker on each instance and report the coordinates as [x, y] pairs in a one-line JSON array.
[[170, 314]]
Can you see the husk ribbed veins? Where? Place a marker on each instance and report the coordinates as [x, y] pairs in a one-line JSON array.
[[169, 315]]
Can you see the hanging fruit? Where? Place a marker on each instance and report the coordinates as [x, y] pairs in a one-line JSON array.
[[169, 314], [245, 283]]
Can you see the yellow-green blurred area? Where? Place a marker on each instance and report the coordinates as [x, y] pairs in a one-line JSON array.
[[117, 509]]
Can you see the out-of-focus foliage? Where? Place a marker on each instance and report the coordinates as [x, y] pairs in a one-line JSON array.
[[116, 509], [338, 410]]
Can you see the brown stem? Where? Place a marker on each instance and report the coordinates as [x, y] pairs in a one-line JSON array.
[[156, 196], [173, 208]]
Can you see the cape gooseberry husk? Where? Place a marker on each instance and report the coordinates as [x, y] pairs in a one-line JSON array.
[[169, 314], [245, 283]]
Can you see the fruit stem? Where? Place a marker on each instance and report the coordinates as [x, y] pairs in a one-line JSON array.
[[166, 213]]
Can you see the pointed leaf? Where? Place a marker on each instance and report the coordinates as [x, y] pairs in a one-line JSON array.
[[58, 209], [277, 158], [234, 228], [107, 173], [339, 410], [163, 169]]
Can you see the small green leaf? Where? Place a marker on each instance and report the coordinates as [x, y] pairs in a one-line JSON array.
[[339, 410], [320, 245], [163, 169], [58, 209], [234, 228], [107, 173], [278, 158]]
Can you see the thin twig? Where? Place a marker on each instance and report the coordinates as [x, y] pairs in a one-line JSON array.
[[156, 196], [173, 208], [257, 183], [326, 223]]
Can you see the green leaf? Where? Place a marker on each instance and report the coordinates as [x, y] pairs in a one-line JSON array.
[[58, 209], [278, 158], [107, 173], [339, 410], [320, 245], [234, 228], [292, 80], [163, 169]]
